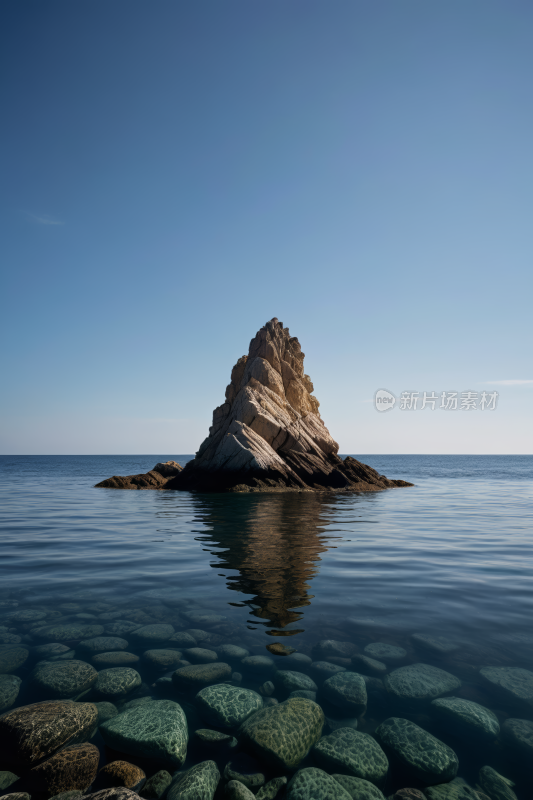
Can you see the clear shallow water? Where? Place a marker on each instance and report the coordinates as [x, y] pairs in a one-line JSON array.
[[451, 556]]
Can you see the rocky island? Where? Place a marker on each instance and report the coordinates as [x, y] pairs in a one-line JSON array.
[[267, 436]]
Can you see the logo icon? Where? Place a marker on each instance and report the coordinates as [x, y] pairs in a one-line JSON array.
[[384, 400]]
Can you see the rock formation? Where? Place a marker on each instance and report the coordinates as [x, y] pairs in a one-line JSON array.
[[157, 478], [268, 435]]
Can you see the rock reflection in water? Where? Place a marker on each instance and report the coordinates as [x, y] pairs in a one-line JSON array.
[[274, 542]]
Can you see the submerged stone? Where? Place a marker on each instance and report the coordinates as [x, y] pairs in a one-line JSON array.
[[152, 634], [282, 734], [235, 790], [30, 734], [198, 783], [331, 647], [117, 682], [466, 718], [420, 682], [272, 789], [162, 659], [245, 769], [457, 789], [63, 678], [73, 768], [121, 627], [227, 706], [290, 681], [322, 670], [157, 785], [231, 652], [354, 753], [12, 657], [514, 683], [385, 652], [200, 655], [420, 753], [181, 639], [102, 644], [155, 730], [368, 666], [106, 711], [198, 676], [215, 739], [495, 785], [7, 779], [9, 690], [519, 734], [358, 788], [120, 773], [67, 633], [347, 690], [315, 784], [120, 658], [44, 651], [261, 664]]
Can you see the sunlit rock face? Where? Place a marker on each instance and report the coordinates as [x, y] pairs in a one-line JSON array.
[[268, 435]]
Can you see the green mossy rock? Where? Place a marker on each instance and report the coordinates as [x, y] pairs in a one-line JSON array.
[[466, 718], [102, 644], [513, 683], [63, 678], [457, 789], [9, 690], [495, 785], [12, 657], [154, 730], [421, 754], [7, 778], [235, 790], [352, 753], [290, 681], [282, 734], [226, 706], [359, 789], [198, 783], [518, 733], [347, 690], [162, 659], [420, 682], [315, 784], [272, 789], [117, 682], [156, 785]]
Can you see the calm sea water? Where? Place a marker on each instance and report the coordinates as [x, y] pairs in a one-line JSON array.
[[451, 556], [453, 553]]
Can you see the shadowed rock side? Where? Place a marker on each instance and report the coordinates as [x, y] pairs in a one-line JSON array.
[[157, 478], [268, 435]]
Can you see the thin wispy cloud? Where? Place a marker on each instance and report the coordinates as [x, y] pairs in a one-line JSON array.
[[518, 382], [44, 219]]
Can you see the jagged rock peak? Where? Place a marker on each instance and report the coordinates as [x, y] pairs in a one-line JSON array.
[[269, 433]]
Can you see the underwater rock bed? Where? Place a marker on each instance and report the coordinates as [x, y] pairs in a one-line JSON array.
[[159, 697]]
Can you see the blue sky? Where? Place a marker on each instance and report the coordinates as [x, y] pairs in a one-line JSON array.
[[177, 173]]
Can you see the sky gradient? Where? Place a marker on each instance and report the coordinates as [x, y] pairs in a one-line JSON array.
[[177, 173]]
